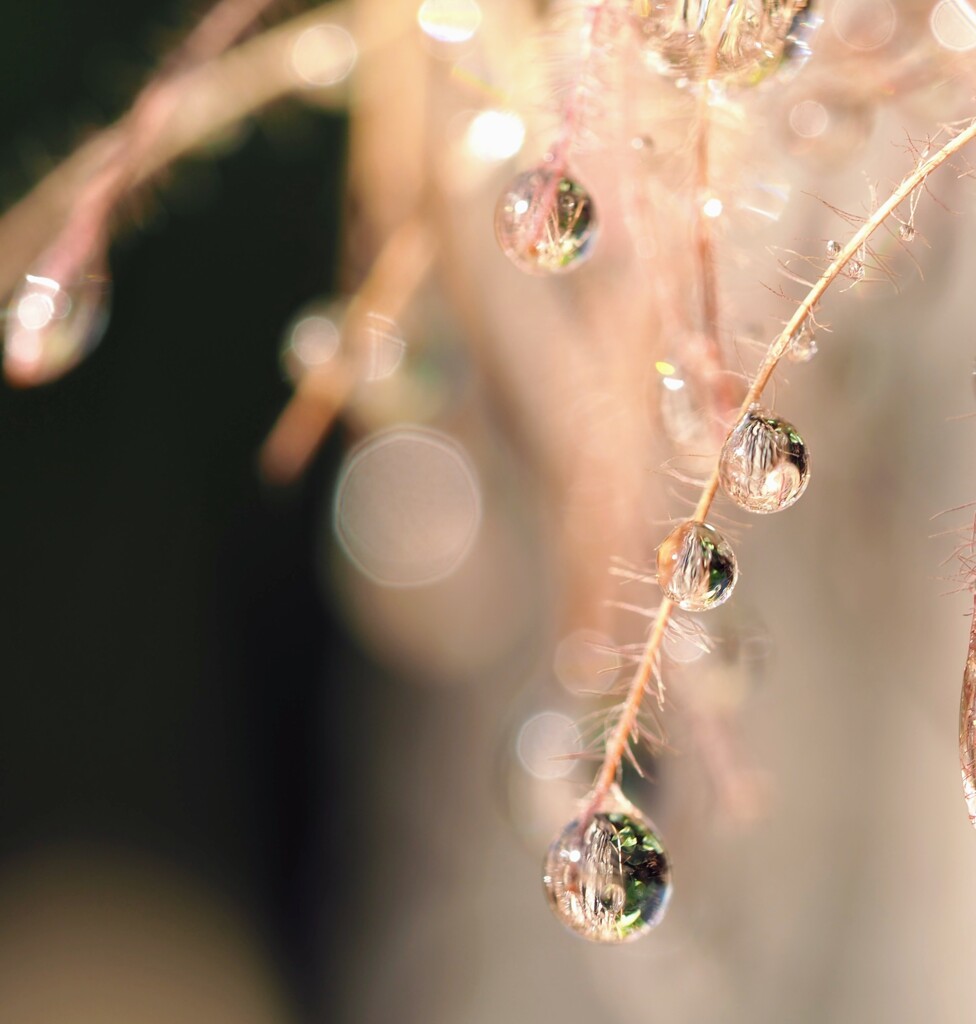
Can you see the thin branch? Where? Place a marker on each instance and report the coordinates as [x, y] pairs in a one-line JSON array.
[[618, 744]]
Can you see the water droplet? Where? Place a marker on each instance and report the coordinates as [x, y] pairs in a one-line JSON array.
[[798, 47], [906, 232], [52, 324], [696, 567], [967, 729], [764, 466], [803, 344], [607, 876], [833, 249], [545, 222], [736, 43], [855, 270]]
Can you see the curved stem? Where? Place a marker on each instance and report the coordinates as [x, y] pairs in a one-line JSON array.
[[203, 100], [619, 739]]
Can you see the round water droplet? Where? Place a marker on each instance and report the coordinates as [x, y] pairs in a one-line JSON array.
[[855, 270], [803, 344], [906, 232], [764, 466], [696, 567], [736, 43], [608, 877], [545, 222], [833, 249], [52, 325]]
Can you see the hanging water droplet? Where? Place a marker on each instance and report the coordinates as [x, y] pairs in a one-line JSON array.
[[855, 270], [764, 465], [798, 46], [906, 232], [545, 222], [696, 567], [803, 344], [833, 249], [607, 876], [735, 43], [53, 324], [967, 727]]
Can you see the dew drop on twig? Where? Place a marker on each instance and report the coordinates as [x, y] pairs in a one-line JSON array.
[[607, 875], [764, 465]]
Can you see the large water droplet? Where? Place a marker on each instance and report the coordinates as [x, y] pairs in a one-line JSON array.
[[696, 567], [53, 324], [735, 41], [764, 465], [545, 222], [607, 875], [967, 729]]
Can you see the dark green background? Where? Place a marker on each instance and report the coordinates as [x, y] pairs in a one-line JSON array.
[[165, 654]]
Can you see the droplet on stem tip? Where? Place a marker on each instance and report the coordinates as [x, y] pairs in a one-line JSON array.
[[607, 875]]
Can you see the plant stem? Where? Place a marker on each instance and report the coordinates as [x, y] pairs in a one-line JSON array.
[[620, 738]]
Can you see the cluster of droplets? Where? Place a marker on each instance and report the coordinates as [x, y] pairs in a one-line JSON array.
[[545, 220], [736, 42], [607, 874], [764, 467]]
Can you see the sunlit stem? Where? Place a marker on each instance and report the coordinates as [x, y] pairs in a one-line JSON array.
[[620, 737]]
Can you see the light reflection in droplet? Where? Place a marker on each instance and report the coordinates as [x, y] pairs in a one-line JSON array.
[[495, 135], [323, 55], [587, 661], [449, 21], [50, 327], [407, 507], [953, 24], [546, 744], [864, 24]]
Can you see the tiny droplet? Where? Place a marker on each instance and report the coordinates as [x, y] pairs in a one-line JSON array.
[[803, 344]]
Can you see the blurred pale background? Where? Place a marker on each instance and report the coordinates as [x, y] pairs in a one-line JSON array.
[[264, 754]]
